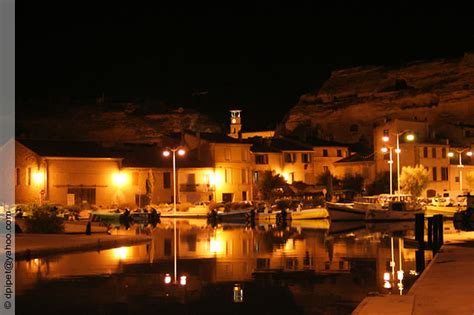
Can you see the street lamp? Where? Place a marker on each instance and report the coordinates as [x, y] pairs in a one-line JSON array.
[[460, 166], [167, 153], [385, 150], [409, 137]]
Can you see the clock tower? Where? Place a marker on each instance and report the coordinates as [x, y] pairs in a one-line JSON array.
[[235, 123]]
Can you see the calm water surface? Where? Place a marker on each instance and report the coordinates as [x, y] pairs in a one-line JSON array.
[[312, 267]]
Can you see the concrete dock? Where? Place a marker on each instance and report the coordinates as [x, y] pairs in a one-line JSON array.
[[40, 245], [445, 287]]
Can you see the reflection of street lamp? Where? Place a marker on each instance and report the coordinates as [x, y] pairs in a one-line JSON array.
[[167, 153], [384, 150], [460, 166], [409, 137]]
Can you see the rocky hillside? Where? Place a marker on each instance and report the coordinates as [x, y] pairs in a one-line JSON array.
[[353, 100], [125, 124]]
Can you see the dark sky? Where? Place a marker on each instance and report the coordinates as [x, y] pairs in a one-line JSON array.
[[260, 59]]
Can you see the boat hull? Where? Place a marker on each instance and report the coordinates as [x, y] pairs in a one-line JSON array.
[[344, 212], [310, 214], [390, 215]]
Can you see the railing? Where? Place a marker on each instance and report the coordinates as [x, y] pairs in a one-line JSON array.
[[196, 188]]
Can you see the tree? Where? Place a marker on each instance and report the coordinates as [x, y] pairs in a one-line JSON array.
[[381, 184], [353, 182], [414, 180], [269, 185]]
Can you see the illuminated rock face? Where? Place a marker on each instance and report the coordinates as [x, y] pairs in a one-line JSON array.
[[353, 100]]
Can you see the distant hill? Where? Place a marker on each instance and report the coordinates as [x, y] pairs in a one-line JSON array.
[[125, 122]]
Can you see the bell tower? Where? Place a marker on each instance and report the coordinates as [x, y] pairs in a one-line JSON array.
[[235, 123]]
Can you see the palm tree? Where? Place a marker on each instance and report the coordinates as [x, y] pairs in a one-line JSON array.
[[270, 184]]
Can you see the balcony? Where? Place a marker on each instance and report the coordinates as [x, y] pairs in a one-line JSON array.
[[195, 188]]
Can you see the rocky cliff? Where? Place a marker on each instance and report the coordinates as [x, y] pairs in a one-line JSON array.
[[88, 123], [349, 104]]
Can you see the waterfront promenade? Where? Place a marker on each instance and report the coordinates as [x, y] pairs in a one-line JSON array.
[[445, 287], [39, 245]]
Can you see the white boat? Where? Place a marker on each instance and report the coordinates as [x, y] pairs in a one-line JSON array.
[[309, 213], [197, 210], [376, 208]]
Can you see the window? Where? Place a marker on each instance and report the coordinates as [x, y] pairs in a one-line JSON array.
[[444, 173], [443, 153], [339, 153], [245, 155], [18, 176], [435, 174], [228, 175], [467, 133], [244, 176], [255, 176], [244, 196], [354, 128], [325, 169], [28, 176], [306, 157], [166, 180], [83, 195], [227, 154], [386, 156], [456, 179], [425, 152], [325, 152], [261, 159], [290, 157], [433, 153]]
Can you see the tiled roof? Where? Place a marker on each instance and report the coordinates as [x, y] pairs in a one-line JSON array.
[[357, 158], [82, 149]]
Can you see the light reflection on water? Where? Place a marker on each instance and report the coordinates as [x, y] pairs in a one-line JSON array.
[[315, 267]]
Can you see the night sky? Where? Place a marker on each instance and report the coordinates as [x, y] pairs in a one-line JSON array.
[[258, 58]]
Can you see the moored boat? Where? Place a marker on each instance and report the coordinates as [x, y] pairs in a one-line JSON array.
[[339, 211]]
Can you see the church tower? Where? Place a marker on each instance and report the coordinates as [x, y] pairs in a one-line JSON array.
[[235, 123]]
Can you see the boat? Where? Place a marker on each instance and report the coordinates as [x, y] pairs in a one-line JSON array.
[[108, 216], [311, 213], [198, 210], [292, 210], [344, 211], [466, 216], [233, 213], [383, 207]]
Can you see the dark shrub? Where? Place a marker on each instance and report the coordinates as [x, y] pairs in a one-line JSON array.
[[44, 220]]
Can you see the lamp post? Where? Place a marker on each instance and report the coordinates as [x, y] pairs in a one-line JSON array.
[[410, 137], [460, 165], [390, 162], [167, 153]]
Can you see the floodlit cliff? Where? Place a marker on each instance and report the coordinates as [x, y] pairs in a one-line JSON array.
[[349, 104]]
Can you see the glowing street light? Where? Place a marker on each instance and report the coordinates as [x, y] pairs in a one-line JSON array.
[[167, 153], [409, 137], [460, 165], [183, 280]]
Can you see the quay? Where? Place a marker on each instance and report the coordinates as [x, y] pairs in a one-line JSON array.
[[445, 287], [29, 246]]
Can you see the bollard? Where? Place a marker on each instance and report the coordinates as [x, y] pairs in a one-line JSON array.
[[440, 230], [420, 230], [430, 233], [435, 234], [88, 228], [420, 260]]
